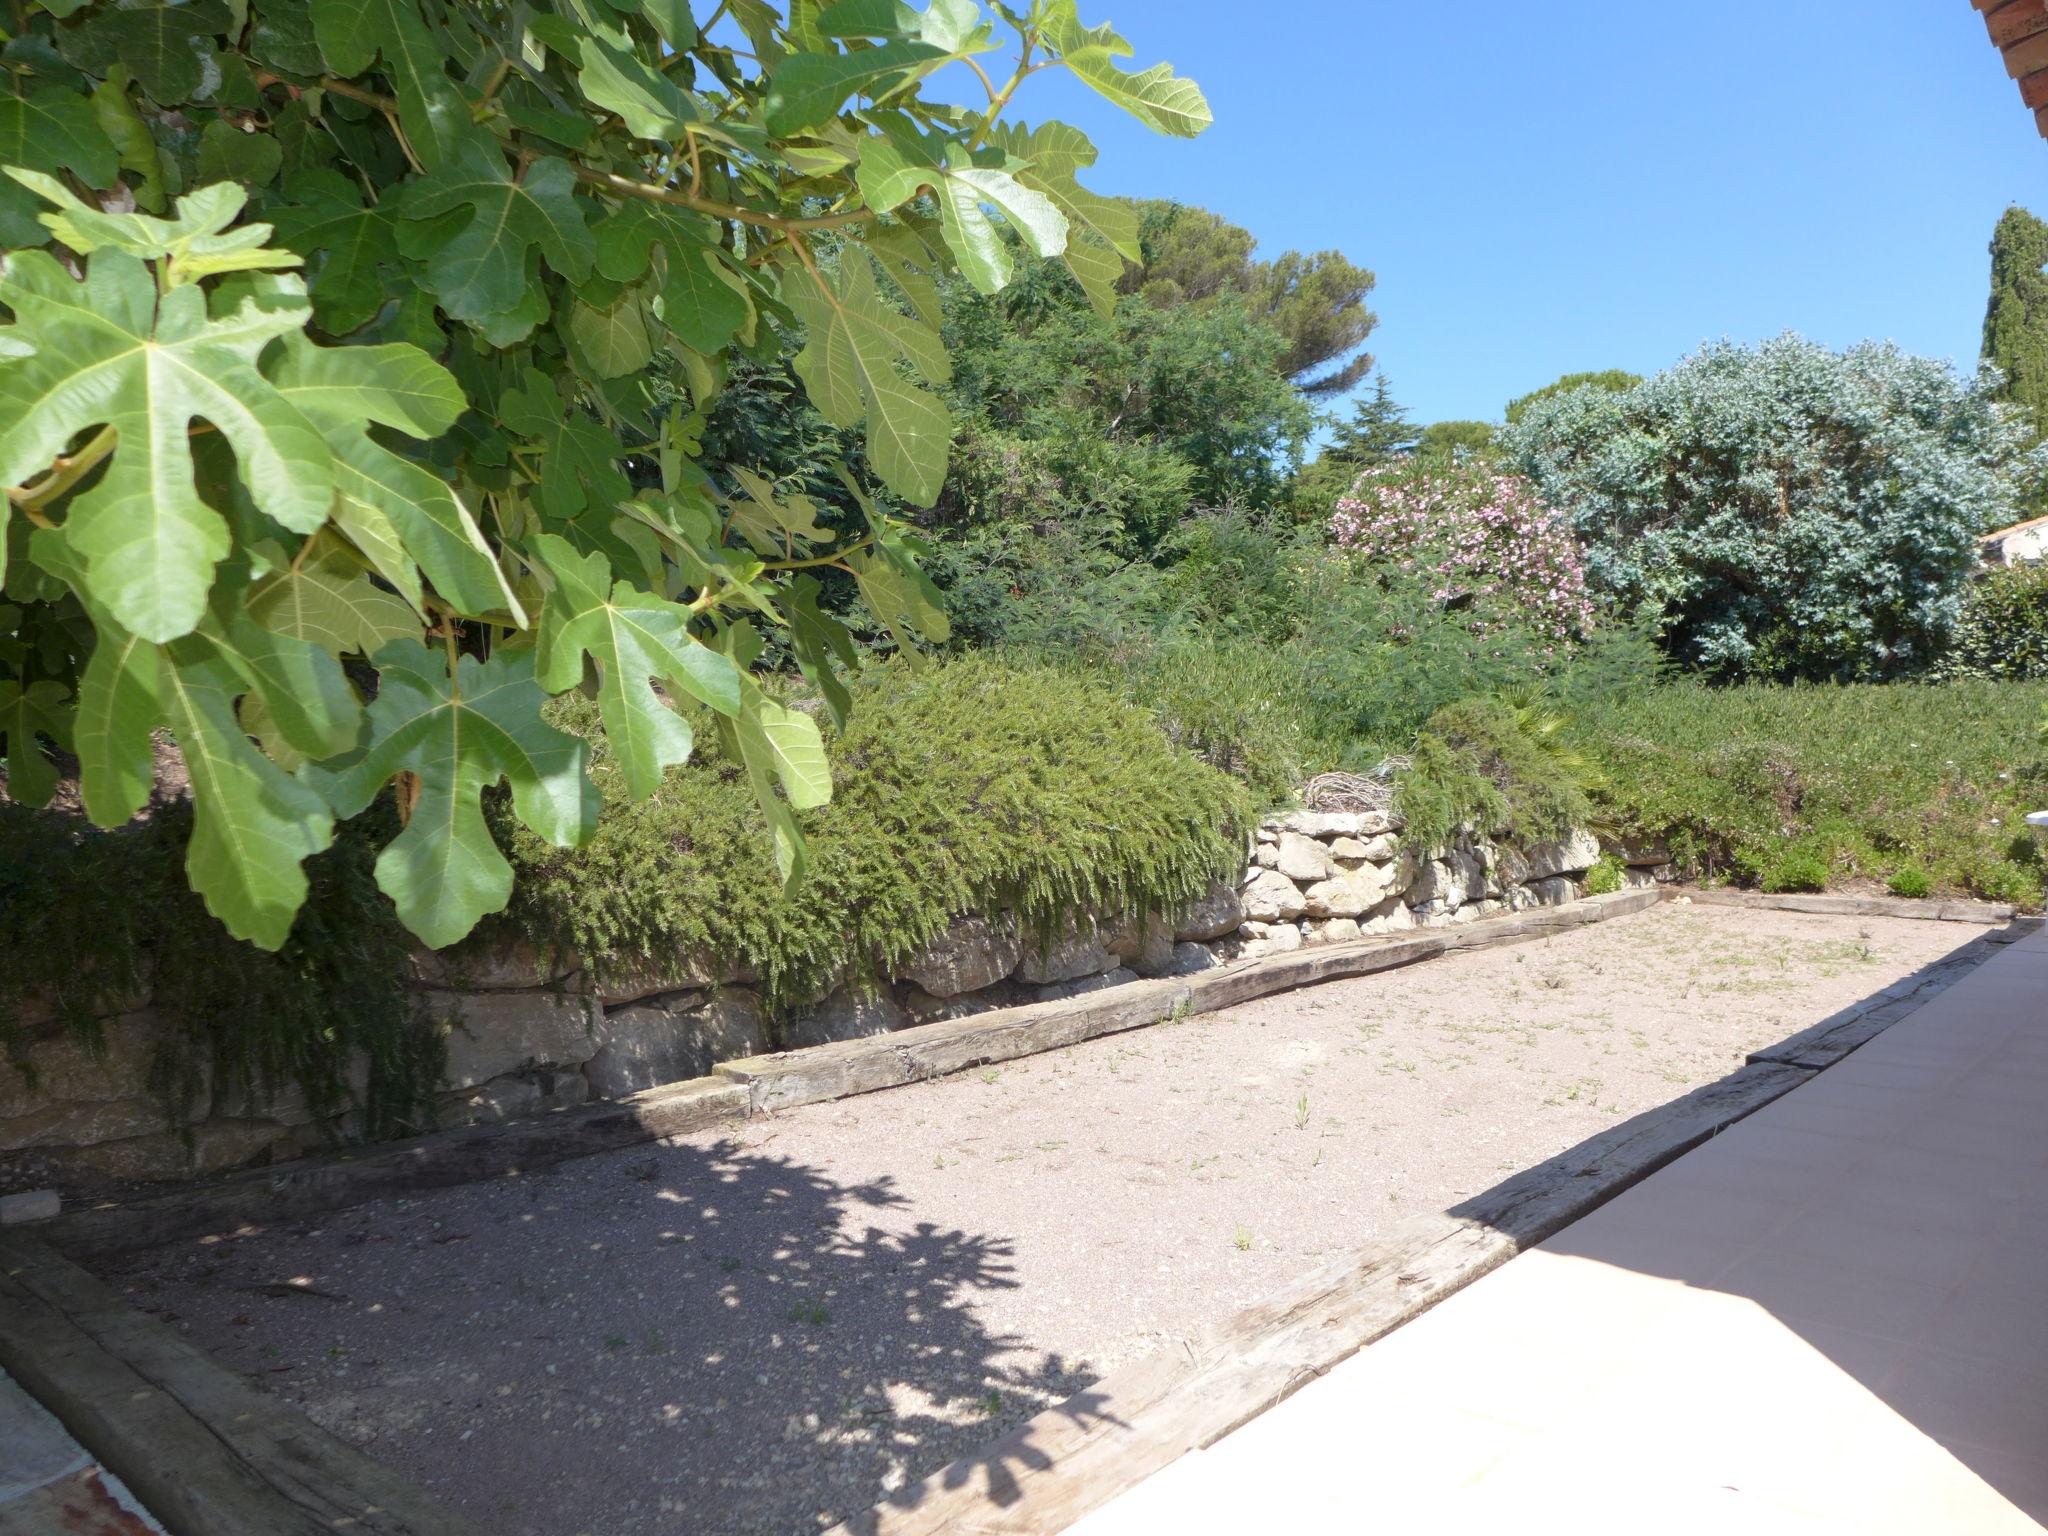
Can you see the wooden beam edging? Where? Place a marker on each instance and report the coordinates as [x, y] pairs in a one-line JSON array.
[[1825, 1043], [762, 1084], [206, 1452], [1986, 912], [1075, 1457]]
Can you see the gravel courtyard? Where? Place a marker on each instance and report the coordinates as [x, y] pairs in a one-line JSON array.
[[764, 1330]]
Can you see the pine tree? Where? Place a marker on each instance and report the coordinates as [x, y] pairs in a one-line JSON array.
[[2016, 321], [1379, 428]]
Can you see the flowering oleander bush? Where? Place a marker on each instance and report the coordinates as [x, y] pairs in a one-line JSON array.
[[1482, 540]]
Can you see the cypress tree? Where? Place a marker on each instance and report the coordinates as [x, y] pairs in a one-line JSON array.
[[2016, 321]]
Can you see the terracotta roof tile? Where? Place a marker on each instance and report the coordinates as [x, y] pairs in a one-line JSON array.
[[2019, 29]]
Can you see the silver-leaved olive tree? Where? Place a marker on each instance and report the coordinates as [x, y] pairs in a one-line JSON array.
[[354, 360]]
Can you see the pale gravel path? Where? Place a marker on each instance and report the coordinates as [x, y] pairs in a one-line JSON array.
[[762, 1331]]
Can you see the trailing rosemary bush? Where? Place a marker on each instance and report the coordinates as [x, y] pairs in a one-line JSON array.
[[967, 786]]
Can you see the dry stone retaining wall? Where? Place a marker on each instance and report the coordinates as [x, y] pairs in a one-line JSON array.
[[530, 1031]]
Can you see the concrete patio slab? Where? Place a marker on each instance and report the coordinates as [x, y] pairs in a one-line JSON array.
[[50, 1485], [1828, 1319]]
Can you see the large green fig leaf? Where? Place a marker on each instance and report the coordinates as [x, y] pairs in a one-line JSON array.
[[1156, 97], [848, 365], [632, 636], [458, 736], [110, 353]]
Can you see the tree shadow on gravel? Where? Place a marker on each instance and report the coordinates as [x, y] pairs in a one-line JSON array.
[[677, 1338]]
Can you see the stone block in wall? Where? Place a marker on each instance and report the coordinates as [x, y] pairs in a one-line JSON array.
[[1072, 950], [1510, 869], [1353, 893], [1278, 939], [619, 982], [1272, 897], [1190, 957], [1390, 916], [1214, 914], [1301, 859], [491, 1034], [82, 1122], [1327, 824], [924, 1008], [1332, 930], [647, 1044], [36, 1011], [1447, 882], [974, 952], [1626, 851], [1143, 942], [1377, 850], [1551, 891], [848, 1014], [493, 964], [284, 1102], [1579, 850], [1636, 878], [65, 1070], [1080, 984]]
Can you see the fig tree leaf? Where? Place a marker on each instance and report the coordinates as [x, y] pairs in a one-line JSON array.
[[346, 246], [170, 46], [325, 597], [808, 89], [198, 238], [226, 153], [616, 78], [28, 713], [253, 825], [632, 636], [779, 745], [51, 129], [849, 368], [111, 354], [1156, 97], [459, 736], [480, 269], [702, 303], [343, 390], [354, 34], [1102, 232], [613, 339]]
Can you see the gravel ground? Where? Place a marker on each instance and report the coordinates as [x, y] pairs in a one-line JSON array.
[[764, 1331]]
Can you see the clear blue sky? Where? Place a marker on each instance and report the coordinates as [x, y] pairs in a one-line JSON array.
[[1584, 184]]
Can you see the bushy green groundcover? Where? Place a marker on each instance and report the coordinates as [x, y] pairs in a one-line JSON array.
[[964, 786], [1920, 786]]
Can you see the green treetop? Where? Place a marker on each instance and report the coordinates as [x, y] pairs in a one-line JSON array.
[[2016, 320]]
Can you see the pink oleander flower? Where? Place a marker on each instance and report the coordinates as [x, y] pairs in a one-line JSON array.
[[1484, 539]]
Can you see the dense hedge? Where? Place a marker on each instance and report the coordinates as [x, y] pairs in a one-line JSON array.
[[2003, 632], [965, 786], [1919, 785]]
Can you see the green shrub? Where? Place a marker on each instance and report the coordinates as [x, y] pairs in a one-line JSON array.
[[1867, 778], [1496, 766], [2003, 631], [1230, 703], [2007, 880], [971, 785], [1794, 868], [1605, 877], [1911, 881], [1791, 511]]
